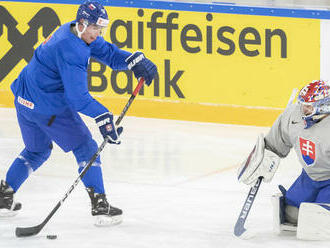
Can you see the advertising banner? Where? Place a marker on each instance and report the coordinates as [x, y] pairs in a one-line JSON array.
[[214, 67]]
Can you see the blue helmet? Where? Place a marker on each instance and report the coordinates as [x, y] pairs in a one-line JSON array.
[[93, 13]]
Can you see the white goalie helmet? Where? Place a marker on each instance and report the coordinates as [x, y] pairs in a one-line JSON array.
[[314, 99]]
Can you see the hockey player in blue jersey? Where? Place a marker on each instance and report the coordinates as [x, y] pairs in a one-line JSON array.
[[49, 93]]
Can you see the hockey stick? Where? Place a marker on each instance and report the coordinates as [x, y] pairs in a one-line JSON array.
[[34, 230], [239, 226], [292, 96]]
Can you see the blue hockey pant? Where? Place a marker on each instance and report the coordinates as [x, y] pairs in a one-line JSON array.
[[68, 131], [304, 189]]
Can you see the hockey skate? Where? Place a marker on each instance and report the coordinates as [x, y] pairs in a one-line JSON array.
[[104, 213], [8, 207]]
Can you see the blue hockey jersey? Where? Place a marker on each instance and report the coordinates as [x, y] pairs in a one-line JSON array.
[[56, 77]]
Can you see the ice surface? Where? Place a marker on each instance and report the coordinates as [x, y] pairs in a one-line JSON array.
[[175, 181]]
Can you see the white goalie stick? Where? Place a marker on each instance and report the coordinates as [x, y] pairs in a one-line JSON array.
[[292, 97], [34, 230], [239, 228]]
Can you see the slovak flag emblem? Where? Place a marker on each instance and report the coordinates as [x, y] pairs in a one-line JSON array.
[[307, 149], [91, 6]]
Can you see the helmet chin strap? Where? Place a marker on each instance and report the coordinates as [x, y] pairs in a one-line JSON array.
[[77, 29]]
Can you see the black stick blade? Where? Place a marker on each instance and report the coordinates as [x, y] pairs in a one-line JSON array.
[[27, 231]]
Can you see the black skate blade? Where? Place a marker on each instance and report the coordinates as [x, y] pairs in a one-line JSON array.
[[27, 231]]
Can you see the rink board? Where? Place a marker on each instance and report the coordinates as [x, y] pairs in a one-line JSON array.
[[214, 65]]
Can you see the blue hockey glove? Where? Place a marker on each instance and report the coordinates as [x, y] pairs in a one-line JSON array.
[[142, 67], [107, 127]]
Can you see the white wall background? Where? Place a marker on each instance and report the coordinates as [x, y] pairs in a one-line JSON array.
[[325, 50]]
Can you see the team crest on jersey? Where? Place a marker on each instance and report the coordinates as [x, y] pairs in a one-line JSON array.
[[307, 149]]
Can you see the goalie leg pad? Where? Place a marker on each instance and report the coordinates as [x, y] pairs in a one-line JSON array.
[[314, 221], [281, 211], [278, 216], [291, 214]]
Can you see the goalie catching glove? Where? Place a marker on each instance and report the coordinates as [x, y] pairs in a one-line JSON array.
[[260, 163], [107, 127]]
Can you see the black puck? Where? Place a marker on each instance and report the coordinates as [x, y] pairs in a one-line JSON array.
[[51, 236]]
